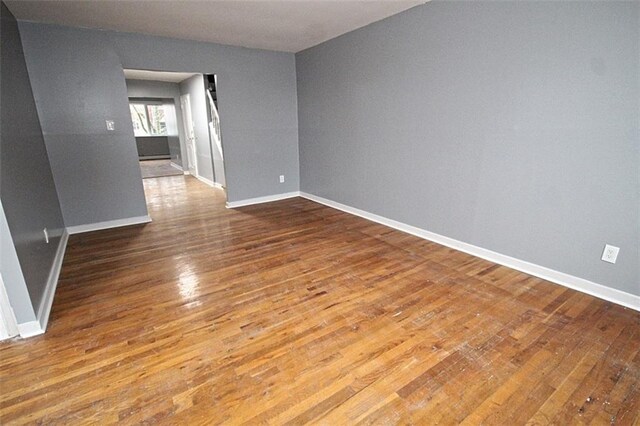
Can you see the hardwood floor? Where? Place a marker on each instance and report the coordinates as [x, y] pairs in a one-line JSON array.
[[292, 312]]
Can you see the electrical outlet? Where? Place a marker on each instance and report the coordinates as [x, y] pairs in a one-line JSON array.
[[111, 125], [46, 235], [281, 178], [610, 253]]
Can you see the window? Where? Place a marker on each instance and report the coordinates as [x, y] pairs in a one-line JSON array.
[[148, 119]]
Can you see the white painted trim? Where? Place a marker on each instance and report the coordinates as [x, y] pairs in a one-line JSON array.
[[260, 200], [598, 290], [30, 329], [52, 282], [204, 180], [175, 166], [8, 322], [209, 182], [78, 229], [187, 172]]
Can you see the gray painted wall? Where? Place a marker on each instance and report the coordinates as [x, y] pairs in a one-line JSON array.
[[173, 135], [27, 188], [164, 90], [78, 83], [512, 126], [194, 86]]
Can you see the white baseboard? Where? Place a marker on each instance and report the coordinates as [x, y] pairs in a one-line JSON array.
[[52, 282], [260, 200], [204, 180], [580, 284], [187, 172], [209, 182], [175, 166], [78, 229], [30, 329]]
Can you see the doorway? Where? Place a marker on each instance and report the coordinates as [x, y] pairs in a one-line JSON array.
[[155, 128], [215, 135], [177, 125]]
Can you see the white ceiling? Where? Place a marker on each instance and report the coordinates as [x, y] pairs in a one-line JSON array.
[[171, 77], [290, 25]]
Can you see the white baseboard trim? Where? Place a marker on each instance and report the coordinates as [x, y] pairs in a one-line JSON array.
[[187, 172], [580, 284], [30, 329], [209, 182], [175, 166], [52, 282], [78, 229], [206, 181], [260, 200]]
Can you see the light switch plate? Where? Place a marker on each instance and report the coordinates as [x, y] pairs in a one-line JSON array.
[[111, 125]]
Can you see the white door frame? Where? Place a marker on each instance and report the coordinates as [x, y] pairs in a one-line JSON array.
[[8, 323], [190, 134]]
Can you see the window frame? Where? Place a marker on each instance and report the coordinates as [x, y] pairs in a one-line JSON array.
[[146, 102]]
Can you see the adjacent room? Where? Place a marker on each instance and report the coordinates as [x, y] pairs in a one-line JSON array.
[[320, 212], [176, 124]]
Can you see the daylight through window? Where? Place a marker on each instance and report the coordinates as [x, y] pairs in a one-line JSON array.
[[148, 119]]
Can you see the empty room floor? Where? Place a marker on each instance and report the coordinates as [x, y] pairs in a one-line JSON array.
[[158, 168], [292, 312]]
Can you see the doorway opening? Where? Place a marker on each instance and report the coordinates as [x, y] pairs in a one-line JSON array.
[[155, 127], [215, 135], [176, 125]]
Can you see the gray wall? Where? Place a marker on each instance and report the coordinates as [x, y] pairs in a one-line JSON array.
[[173, 134], [512, 126], [194, 86], [164, 90], [27, 188], [78, 82]]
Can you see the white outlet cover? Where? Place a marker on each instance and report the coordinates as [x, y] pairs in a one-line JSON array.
[[610, 253], [111, 125], [281, 178]]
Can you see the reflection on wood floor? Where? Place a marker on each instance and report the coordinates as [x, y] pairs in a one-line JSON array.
[[292, 312]]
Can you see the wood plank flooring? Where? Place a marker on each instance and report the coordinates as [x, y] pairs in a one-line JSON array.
[[291, 313]]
